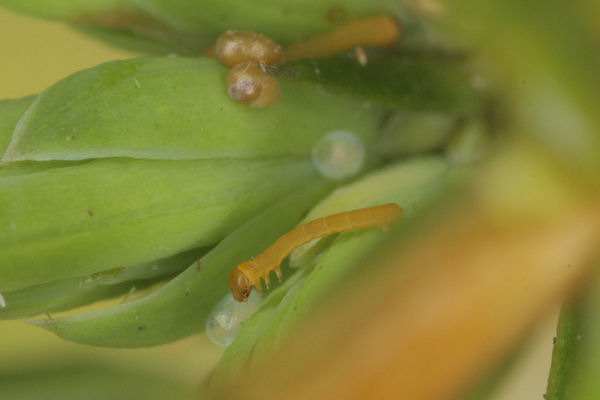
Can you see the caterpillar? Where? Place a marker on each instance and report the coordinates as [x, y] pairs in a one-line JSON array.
[[249, 273]]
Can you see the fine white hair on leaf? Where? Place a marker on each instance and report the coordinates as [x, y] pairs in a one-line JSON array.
[[2, 301]]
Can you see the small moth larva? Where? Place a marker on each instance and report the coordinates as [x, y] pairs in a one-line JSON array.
[[249, 273]]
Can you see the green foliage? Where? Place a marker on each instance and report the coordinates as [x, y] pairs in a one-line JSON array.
[[399, 79], [175, 108], [143, 172], [417, 183], [576, 355], [10, 113], [66, 9], [65, 294], [181, 307], [108, 213], [285, 21]]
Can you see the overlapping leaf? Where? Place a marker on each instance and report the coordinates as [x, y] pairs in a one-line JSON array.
[[175, 108], [181, 307]]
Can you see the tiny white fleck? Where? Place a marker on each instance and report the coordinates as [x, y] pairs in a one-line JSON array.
[[361, 56], [171, 55], [2, 301], [137, 83]]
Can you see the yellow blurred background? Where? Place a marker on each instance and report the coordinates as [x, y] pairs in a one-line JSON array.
[[37, 53]]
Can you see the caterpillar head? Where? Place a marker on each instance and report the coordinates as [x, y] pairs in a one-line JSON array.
[[240, 285]]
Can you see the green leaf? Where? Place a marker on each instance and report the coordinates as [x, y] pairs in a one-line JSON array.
[[406, 133], [181, 307], [406, 183], [17, 168], [412, 185], [72, 381], [576, 354], [151, 40], [65, 294], [103, 214], [284, 21], [118, 22], [190, 27], [10, 112], [392, 78], [175, 108], [66, 9]]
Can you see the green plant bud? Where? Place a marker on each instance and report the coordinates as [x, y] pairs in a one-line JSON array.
[[175, 108], [420, 82], [118, 22], [406, 133], [284, 21], [407, 184], [412, 184], [65, 294], [189, 27], [10, 112], [469, 144], [181, 307], [58, 9], [29, 167], [575, 357], [103, 214], [149, 40]]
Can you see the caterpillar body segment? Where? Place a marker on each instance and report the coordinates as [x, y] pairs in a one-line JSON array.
[[249, 273]]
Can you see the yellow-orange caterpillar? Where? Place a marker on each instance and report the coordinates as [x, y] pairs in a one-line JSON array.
[[249, 273]]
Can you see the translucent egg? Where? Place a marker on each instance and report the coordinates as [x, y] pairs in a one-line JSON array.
[[226, 318], [338, 154]]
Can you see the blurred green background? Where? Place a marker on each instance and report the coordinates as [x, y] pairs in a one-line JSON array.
[[35, 54]]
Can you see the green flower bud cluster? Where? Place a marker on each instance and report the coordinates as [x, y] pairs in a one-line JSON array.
[[190, 27], [143, 172], [124, 174]]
